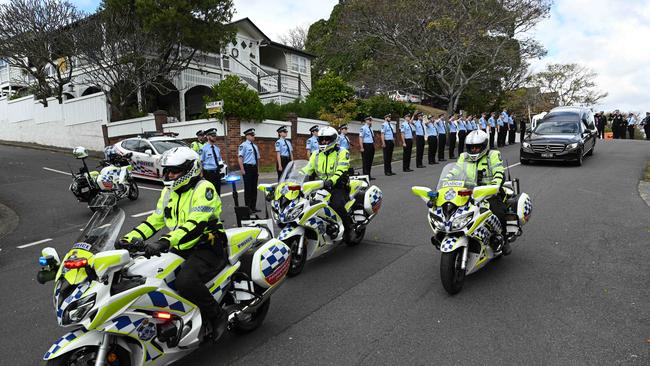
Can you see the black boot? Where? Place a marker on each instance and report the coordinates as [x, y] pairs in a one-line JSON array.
[[219, 324]]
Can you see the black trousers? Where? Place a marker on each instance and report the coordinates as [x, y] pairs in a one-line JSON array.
[[630, 132], [452, 144], [615, 129], [512, 133], [368, 157], [419, 150], [433, 148], [213, 177], [442, 140], [284, 161], [498, 208], [646, 128], [492, 133], [501, 137], [601, 132], [406, 159], [340, 196], [250, 185], [201, 264], [388, 156], [461, 141], [622, 131]]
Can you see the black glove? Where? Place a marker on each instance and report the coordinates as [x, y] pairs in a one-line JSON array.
[[328, 185], [122, 244], [156, 248]]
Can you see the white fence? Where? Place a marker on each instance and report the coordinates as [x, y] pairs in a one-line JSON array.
[[75, 122]]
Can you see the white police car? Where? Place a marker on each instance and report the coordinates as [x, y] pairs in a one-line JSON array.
[[147, 150]]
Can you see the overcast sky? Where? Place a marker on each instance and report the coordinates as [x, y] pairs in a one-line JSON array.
[[605, 35]]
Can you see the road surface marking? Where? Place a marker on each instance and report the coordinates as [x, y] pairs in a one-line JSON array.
[[34, 243], [57, 171], [151, 189], [142, 214], [510, 166]]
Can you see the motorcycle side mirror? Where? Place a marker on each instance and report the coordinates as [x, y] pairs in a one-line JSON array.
[[483, 192], [51, 252], [148, 152], [424, 193]]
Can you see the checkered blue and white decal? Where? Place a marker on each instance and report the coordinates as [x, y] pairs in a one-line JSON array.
[[75, 295], [63, 342], [164, 301], [273, 258]]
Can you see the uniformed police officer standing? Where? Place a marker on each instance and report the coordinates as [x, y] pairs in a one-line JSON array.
[[312, 142], [492, 123], [210, 158], [283, 150], [367, 143], [249, 157], [432, 139], [462, 134], [442, 137], [453, 133], [344, 141], [407, 142], [419, 140], [200, 141], [512, 129], [387, 144], [501, 129]]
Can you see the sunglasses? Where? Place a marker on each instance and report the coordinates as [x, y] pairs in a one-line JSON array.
[[172, 170]]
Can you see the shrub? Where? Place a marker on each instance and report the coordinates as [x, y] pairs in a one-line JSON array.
[[238, 100]]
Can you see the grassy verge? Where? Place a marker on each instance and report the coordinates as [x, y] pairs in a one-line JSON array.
[[646, 175]]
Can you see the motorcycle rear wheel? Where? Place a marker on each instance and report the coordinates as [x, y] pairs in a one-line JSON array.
[[253, 320], [297, 261], [451, 274], [87, 356]]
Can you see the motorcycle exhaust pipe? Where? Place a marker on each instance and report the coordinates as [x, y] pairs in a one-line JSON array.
[[253, 306]]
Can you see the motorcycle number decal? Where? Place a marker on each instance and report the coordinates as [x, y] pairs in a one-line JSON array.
[[146, 330], [84, 246]]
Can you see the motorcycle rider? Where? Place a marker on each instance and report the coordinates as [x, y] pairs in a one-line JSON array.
[[191, 209], [331, 164], [487, 167]]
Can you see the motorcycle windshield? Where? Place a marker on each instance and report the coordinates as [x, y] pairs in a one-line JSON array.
[[102, 231], [458, 175], [293, 172]]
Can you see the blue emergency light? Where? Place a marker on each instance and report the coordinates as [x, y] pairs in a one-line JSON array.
[[232, 178]]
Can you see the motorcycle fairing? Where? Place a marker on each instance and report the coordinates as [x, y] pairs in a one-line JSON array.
[[311, 212], [239, 240], [451, 243], [283, 190], [450, 194], [291, 230]]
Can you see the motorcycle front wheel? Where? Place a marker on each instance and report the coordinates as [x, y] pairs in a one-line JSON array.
[[297, 261], [134, 191], [451, 274], [88, 355], [356, 237]]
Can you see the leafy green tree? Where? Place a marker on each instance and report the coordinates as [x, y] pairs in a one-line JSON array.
[[238, 100], [330, 91], [571, 83]]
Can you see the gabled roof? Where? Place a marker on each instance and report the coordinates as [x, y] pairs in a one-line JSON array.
[[246, 22]]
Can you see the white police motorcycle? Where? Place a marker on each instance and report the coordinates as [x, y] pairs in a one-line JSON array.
[[123, 309], [98, 187], [463, 224], [310, 227]]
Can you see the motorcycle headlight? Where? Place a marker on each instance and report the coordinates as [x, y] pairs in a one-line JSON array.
[[572, 146], [77, 310], [292, 213], [438, 224], [461, 221]]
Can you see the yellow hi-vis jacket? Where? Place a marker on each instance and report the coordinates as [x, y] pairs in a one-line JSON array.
[[330, 165], [491, 163], [186, 215]]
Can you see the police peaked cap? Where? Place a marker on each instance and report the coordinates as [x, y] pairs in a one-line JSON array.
[[282, 129], [388, 115], [200, 133], [211, 131], [343, 126], [313, 128], [368, 118], [407, 115], [250, 131]]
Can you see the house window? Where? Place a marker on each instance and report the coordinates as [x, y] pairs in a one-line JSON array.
[[226, 62], [298, 64]]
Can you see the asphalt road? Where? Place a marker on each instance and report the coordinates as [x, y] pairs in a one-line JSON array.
[[574, 292]]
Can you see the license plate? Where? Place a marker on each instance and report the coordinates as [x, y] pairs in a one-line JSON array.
[[547, 155]]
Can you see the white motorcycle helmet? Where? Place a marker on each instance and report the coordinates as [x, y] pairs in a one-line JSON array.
[[182, 160], [327, 138], [476, 145]]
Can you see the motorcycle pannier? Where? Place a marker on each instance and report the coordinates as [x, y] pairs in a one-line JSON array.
[[372, 200], [270, 263], [522, 205]]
